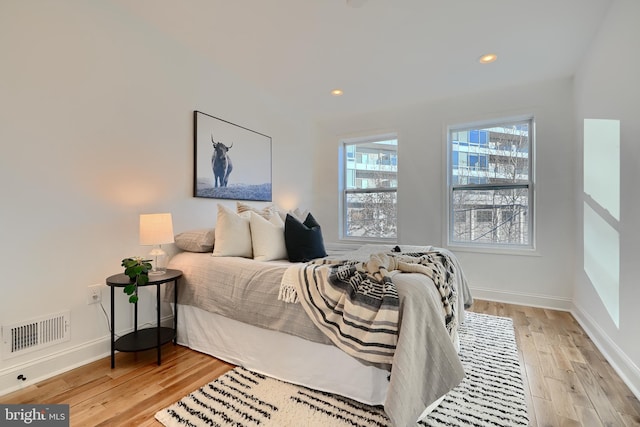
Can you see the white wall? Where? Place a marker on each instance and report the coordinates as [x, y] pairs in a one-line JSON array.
[[542, 278], [606, 87], [96, 127]]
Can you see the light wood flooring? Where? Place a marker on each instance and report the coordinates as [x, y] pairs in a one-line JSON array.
[[567, 381]]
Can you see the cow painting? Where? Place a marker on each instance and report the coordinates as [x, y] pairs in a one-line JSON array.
[[221, 163]]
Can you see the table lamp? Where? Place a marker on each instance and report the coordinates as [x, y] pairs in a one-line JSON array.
[[156, 230]]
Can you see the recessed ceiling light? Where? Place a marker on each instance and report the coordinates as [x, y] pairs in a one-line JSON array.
[[337, 92], [488, 58]]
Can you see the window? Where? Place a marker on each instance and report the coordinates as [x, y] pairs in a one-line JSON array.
[[491, 184], [370, 188]]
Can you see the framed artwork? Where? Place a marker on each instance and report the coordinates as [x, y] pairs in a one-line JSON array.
[[230, 161]]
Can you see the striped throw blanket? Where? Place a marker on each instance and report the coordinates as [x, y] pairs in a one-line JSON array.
[[356, 304]]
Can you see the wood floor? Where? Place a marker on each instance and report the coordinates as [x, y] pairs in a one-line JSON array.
[[567, 381]]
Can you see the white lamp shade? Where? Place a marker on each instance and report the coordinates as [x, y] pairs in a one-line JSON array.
[[156, 229]]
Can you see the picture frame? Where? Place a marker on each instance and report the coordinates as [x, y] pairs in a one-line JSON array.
[[230, 161]]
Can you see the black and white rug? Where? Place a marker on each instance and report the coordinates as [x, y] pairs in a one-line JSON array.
[[491, 394]]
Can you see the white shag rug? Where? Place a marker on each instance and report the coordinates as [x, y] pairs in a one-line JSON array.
[[491, 393]]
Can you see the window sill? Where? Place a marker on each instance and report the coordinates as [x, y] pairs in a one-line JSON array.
[[364, 240], [494, 250]]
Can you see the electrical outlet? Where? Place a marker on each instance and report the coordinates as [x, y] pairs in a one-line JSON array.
[[94, 294]]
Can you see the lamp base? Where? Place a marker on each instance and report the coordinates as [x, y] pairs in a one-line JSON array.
[[156, 272], [159, 264]]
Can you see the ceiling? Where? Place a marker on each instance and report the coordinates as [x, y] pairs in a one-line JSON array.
[[382, 53]]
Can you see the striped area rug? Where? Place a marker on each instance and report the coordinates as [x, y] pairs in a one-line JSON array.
[[491, 394]]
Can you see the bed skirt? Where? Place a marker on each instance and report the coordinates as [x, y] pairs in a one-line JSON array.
[[282, 356]]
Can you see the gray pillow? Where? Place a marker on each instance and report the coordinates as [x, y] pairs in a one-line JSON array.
[[200, 240]]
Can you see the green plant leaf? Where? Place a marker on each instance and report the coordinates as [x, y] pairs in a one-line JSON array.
[[130, 271], [133, 299], [143, 279], [128, 262], [129, 289]]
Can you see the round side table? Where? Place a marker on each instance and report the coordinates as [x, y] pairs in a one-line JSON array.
[[147, 338]]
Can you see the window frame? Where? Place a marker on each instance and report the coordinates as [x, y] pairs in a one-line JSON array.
[[510, 248], [345, 192]]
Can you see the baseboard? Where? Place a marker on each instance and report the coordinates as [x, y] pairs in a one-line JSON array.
[[45, 367], [619, 361], [521, 298], [50, 365]]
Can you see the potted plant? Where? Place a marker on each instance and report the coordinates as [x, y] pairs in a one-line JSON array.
[[138, 271]]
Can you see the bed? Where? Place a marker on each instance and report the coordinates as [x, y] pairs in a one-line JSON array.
[[228, 307]]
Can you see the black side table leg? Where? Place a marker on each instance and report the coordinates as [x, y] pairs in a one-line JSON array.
[[113, 331], [175, 311], [158, 311]]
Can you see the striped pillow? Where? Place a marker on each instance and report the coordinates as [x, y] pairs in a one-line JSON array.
[[244, 210], [200, 240]]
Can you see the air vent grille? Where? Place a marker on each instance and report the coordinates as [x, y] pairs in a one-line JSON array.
[[27, 336]]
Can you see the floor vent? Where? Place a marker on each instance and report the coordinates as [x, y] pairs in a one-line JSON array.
[[24, 337]]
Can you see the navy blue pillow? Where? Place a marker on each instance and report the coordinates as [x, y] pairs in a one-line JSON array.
[[303, 239]]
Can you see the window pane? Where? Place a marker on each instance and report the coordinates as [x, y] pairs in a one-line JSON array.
[[496, 155], [491, 216], [374, 164], [371, 214]]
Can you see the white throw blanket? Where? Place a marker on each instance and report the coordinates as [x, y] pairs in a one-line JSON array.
[[425, 365], [355, 303]]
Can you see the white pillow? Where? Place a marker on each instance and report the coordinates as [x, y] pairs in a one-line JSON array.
[[232, 234], [267, 238]]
